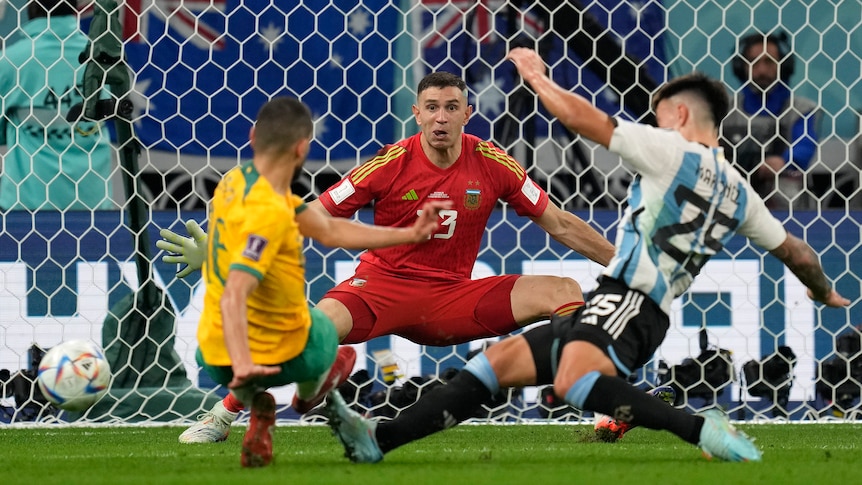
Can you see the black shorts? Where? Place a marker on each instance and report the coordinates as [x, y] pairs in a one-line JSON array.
[[546, 344], [625, 324]]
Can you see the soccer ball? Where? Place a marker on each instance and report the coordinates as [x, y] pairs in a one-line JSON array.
[[74, 375]]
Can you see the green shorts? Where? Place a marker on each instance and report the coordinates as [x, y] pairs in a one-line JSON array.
[[315, 359]]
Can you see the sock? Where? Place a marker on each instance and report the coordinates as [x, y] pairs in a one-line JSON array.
[[442, 407], [232, 404], [481, 368], [622, 401]]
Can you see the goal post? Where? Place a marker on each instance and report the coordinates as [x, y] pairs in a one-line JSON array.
[[745, 337]]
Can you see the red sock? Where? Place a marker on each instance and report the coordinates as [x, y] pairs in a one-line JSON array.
[[568, 308], [232, 404]]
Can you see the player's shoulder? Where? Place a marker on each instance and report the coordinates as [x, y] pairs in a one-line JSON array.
[[245, 182], [492, 155], [243, 174], [267, 208], [397, 149], [634, 135], [474, 144], [485, 149], [387, 157], [629, 127], [393, 152]]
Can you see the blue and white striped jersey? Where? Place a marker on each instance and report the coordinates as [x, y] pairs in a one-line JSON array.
[[685, 202]]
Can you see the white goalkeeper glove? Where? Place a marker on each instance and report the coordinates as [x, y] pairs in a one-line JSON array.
[[190, 251]]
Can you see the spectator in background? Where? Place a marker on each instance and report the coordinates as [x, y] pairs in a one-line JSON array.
[[770, 132], [51, 164]]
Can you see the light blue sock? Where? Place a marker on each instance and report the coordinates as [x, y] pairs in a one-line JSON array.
[[581, 389], [481, 368]]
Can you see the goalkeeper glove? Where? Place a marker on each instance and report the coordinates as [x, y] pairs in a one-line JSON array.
[[190, 251]]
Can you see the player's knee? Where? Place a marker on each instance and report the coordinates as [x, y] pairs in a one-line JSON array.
[[575, 391], [339, 314], [541, 296], [573, 288], [512, 362], [566, 290], [563, 381]]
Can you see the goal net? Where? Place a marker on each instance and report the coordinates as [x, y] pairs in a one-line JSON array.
[[745, 337]]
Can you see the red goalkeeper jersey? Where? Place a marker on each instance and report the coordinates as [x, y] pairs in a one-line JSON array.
[[401, 178]]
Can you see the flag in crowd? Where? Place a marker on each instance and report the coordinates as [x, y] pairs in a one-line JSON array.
[[471, 38], [202, 69], [205, 68]]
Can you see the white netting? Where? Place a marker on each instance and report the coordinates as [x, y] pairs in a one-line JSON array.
[[202, 69]]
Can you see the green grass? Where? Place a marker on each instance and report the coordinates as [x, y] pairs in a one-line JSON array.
[[517, 454]]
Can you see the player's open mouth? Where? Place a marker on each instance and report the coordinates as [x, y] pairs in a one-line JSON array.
[[440, 134]]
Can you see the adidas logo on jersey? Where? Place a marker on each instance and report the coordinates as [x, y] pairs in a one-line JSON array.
[[410, 195]]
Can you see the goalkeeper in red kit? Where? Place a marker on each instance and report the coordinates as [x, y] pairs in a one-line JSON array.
[[425, 293]]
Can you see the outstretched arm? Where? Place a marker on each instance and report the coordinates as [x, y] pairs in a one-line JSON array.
[[319, 225], [315, 223], [573, 232], [573, 111], [804, 263]]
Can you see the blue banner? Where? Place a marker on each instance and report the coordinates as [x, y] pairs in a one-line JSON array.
[[62, 272], [49, 245]]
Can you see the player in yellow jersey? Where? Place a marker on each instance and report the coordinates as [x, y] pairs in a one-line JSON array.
[[256, 330]]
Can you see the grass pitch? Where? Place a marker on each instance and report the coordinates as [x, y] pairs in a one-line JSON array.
[[470, 454]]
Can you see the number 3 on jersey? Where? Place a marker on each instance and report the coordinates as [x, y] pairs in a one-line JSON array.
[[448, 218]]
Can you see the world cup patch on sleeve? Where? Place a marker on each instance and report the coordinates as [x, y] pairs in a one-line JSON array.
[[530, 191], [344, 190], [254, 247]]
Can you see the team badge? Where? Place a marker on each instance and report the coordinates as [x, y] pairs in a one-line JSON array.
[[472, 199], [254, 247], [357, 282]]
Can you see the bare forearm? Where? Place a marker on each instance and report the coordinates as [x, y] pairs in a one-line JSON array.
[[592, 246], [576, 234], [319, 225], [572, 110], [348, 234], [805, 264], [564, 105], [235, 327]]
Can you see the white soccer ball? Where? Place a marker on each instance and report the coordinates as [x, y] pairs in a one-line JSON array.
[[74, 375]]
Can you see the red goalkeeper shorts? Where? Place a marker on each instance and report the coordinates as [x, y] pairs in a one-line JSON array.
[[427, 312]]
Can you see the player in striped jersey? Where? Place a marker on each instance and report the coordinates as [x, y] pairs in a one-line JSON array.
[[425, 293], [685, 203]]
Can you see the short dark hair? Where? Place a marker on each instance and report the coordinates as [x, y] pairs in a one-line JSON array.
[[711, 91], [44, 8], [440, 79], [281, 122], [741, 63]]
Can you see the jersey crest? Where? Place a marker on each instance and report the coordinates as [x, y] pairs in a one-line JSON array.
[[473, 199], [473, 195]]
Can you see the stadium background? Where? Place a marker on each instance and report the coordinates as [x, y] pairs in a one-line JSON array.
[[203, 69]]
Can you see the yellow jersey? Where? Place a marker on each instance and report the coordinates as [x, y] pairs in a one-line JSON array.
[[253, 229]]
